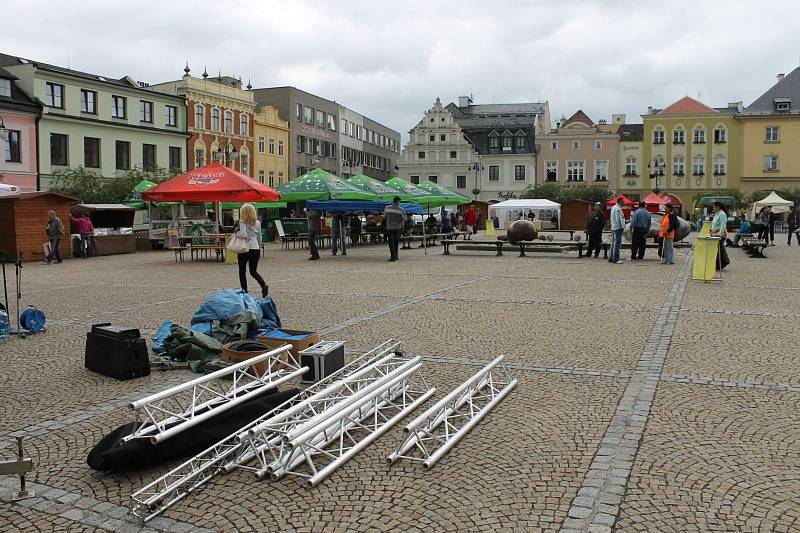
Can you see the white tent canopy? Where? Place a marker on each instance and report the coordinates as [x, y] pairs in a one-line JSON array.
[[779, 205], [511, 210], [9, 190]]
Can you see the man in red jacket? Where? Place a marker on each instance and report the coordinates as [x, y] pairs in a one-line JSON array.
[[86, 230], [470, 218]]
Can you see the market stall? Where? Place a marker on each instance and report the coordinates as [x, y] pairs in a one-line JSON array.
[[22, 220], [510, 210], [778, 204], [113, 227]]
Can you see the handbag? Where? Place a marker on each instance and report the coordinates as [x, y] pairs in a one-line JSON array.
[[238, 245]]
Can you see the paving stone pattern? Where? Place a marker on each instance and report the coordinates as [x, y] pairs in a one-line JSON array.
[[646, 402]]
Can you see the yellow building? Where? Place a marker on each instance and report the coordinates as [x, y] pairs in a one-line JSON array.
[[690, 149], [271, 136], [771, 137], [630, 164]]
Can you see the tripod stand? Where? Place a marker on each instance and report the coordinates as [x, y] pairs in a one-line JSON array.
[[23, 333]]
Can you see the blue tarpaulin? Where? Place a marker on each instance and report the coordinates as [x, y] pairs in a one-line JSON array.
[[359, 206]]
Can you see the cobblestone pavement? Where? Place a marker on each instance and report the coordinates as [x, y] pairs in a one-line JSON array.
[[646, 401]]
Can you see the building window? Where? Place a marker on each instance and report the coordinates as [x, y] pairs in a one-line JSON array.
[[145, 111], [118, 106], [123, 155], [320, 116], [343, 126], [199, 117], [244, 164], [332, 122], [699, 136], [215, 119], [631, 166], [308, 115], [520, 140], [453, 154], [271, 177], [431, 138], [678, 166], [494, 142], [554, 145], [272, 146], [261, 176], [519, 172], [54, 95], [772, 134], [415, 179], [698, 166], [494, 173], [719, 166], [720, 135], [576, 145], [58, 149], [461, 182], [442, 137], [171, 115], [299, 144], [12, 147], [601, 171], [88, 101], [149, 156], [228, 121], [598, 145], [91, 152], [199, 158], [433, 179], [299, 112], [507, 141], [551, 170], [280, 178], [421, 155], [261, 145], [317, 147], [678, 136], [770, 163], [175, 157], [5, 87], [576, 170], [280, 147], [658, 137], [244, 124]]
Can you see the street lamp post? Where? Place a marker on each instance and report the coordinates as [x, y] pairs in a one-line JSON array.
[[228, 155], [478, 168], [656, 169]]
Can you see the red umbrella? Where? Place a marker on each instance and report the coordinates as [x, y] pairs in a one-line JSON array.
[[211, 183], [626, 202]]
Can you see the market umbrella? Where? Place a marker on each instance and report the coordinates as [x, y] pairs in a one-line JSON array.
[[626, 202], [443, 195], [381, 190], [321, 185], [134, 199], [211, 183], [411, 192]]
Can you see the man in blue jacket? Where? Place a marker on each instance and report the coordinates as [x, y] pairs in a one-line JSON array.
[[640, 225], [617, 227]]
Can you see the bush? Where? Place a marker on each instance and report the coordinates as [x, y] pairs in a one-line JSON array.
[[557, 193], [92, 188]]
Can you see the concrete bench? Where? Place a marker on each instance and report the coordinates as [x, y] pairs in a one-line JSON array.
[[524, 246]]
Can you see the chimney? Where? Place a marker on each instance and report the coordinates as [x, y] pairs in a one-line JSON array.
[[464, 101], [781, 76], [650, 110], [618, 118], [738, 106]]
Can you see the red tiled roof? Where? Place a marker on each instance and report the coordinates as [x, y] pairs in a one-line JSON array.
[[687, 106], [578, 116]]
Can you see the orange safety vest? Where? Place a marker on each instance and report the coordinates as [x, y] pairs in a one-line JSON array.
[[664, 231]]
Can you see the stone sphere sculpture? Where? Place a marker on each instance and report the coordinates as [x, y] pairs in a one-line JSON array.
[[521, 230]]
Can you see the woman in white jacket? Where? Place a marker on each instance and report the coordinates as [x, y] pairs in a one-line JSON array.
[[250, 229]]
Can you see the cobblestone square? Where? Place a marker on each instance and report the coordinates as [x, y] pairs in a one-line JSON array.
[[646, 401]]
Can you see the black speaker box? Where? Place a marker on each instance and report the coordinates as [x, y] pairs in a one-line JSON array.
[[116, 352]]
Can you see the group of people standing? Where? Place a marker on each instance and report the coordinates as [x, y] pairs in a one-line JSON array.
[[55, 231]]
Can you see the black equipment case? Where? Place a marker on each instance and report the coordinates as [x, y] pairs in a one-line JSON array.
[[117, 352]]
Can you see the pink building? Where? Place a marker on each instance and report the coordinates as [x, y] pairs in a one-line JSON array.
[[18, 117]]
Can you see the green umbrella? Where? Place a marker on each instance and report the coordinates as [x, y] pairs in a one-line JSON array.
[[412, 193], [447, 196], [321, 185], [257, 205], [381, 190], [134, 199]]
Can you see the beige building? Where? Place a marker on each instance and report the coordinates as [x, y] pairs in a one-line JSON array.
[[578, 153], [271, 135]]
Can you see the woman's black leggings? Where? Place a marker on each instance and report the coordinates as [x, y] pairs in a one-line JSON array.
[[249, 258]]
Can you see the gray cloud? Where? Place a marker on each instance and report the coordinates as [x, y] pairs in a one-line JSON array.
[[390, 60]]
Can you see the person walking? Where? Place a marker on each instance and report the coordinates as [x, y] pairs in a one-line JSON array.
[[447, 226], [86, 230], [793, 221], [55, 230], [314, 229], [594, 230], [771, 225], [470, 219], [718, 229], [640, 225], [763, 219], [617, 227], [667, 233], [338, 234], [250, 229], [394, 215]]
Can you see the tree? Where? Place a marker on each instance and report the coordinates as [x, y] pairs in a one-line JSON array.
[[559, 194], [91, 188]]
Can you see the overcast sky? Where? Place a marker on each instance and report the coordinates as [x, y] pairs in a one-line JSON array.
[[390, 60]]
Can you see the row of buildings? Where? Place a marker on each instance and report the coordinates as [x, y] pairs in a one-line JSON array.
[[54, 118], [493, 152]]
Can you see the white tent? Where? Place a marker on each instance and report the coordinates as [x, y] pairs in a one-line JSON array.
[[511, 210], [779, 205], [8, 190]]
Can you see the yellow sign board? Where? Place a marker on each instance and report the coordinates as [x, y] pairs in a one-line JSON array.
[[704, 265], [490, 227]]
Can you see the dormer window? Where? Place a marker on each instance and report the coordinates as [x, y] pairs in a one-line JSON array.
[[783, 104], [507, 140], [494, 139]]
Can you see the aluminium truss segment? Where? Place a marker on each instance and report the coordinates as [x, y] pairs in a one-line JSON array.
[[433, 433], [160, 494], [167, 413]]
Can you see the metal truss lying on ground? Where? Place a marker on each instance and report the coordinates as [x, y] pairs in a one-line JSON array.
[[228, 453], [167, 413], [434, 432], [337, 423]]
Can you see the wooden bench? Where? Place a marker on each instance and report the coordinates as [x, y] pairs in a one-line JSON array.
[[648, 246], [524, 246], [429, 239], [754, 247], [173, 244]]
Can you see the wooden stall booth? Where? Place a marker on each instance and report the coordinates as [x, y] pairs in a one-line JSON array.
[[113, 227], [23, 218], [575, 213]]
